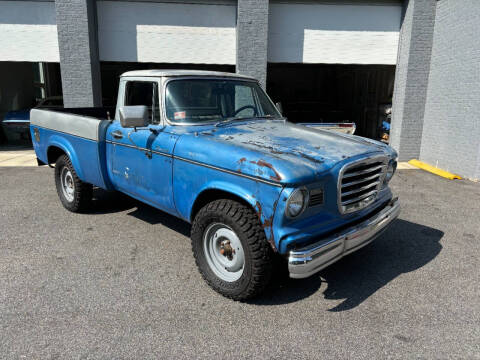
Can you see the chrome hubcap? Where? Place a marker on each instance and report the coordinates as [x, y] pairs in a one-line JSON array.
[[224, 252], [68, 186]]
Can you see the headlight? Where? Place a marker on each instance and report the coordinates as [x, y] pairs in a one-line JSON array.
[[296, 203], [392, 166]]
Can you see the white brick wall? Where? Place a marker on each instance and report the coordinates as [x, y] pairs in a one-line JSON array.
[[411, 81], [451, 130], [252, 38], [79, 63]]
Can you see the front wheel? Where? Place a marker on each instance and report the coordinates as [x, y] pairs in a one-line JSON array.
[[74, 194], [231, 250]]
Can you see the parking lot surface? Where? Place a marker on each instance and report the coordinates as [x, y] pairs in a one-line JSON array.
[[120, 282]]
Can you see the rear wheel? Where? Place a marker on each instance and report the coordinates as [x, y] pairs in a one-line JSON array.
[[74, 194], [231, 250]]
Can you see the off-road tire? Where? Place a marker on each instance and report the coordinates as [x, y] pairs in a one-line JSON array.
[[257, 251], [83, 192]]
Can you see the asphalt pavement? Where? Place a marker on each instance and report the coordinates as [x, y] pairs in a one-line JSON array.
[[120, 282]]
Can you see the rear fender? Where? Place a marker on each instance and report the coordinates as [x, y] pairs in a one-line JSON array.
[[66, 146]]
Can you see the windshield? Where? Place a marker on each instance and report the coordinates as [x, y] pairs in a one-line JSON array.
[[196, 101]]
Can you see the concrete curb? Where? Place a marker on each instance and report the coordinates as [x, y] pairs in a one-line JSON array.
[[433, 170], [405, 166]]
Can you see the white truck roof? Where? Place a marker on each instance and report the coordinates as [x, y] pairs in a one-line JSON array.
[[173, 72]]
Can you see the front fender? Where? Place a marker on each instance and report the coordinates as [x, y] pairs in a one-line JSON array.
[[262, 198], [234, 189], [67, 147], [191, 180]]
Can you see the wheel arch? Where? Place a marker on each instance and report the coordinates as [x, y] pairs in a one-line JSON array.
[[211, 194], [262, 201], [59, 146]]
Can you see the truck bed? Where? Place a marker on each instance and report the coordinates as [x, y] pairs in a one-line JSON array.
[[73, 131], [83, 122]]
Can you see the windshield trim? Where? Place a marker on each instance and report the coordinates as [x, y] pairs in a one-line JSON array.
[[176, 78]]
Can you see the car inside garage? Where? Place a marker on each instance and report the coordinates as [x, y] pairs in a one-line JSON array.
[[325, 93], [26, 85]]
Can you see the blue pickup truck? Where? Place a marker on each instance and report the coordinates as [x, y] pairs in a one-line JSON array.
[[211, 148]]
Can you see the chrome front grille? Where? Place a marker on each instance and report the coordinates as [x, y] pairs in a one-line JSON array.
[[359, 183]]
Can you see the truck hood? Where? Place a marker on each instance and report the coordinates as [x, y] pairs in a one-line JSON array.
[[273, 150]]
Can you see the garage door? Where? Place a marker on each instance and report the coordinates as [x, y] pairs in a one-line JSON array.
[[28, 31], [166, 32], [334, 33]]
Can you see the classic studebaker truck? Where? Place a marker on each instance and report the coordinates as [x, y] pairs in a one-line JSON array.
[[212, 149]]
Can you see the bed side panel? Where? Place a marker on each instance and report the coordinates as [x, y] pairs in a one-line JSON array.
[[79, 136], [82, 126]]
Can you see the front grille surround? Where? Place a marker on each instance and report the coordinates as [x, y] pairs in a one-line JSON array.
[[359, 183]]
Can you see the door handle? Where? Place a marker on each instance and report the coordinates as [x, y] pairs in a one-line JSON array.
[[117, 134]]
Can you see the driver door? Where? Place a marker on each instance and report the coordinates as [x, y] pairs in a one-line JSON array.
[[141, 160]]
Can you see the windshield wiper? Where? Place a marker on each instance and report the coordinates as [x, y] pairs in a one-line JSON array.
[[233, 119], [265, 117]]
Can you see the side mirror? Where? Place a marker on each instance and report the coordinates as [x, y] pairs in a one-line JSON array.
[[133, 116], [279, 107]]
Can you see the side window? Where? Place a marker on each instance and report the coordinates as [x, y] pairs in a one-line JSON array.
[[144, 93]]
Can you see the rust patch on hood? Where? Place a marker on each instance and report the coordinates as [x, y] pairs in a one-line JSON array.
[[263, 163]]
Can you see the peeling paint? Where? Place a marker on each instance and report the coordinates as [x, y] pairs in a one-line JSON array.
[[291, 154], [271, 149], [263, 163], [267, 222], [311, 158]]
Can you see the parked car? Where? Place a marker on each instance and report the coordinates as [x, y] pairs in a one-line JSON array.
[[211, 148], [18, 121], [343, 127]]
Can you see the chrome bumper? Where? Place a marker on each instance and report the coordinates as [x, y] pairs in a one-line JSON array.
[[307, 261]]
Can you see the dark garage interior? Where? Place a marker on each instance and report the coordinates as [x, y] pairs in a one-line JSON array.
[[333, 93], [308, 92], [24, 85]]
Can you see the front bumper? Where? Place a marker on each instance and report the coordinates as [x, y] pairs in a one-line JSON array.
[[308, 260]]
